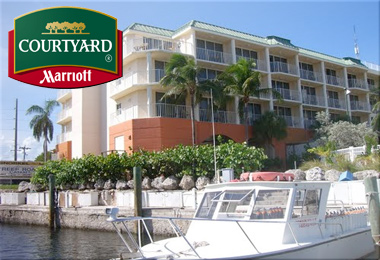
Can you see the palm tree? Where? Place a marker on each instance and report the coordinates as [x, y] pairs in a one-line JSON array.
[[375, 98], [267, 127], [41, 124], [181, 75], [242, 80]]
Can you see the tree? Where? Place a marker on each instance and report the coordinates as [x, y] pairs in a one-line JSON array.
[[375, 99], [267, 127], [181, 75], [49, 26], [41, 124], [56, 26], [74, 27], [81, 27], [242, 80], [65, 26]]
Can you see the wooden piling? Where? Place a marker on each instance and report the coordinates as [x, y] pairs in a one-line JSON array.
[[51, 200], [371, 190], [138, 201]]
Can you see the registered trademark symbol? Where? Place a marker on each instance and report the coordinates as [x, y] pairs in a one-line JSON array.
[[108, 58]]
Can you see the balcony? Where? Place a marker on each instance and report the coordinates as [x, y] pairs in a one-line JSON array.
[[313, 100], [360, 106], [123, 115], [251, 118], [260, 64], [292, 121], [64, 137], [220, 116], [173, 111], [64, 116], [357, 84], [282, 67], [335, 81], [63, 95], [336, 103], [308, 123], [156, 44], [311, 75], [120, 86], [288, 94], [214, 56]]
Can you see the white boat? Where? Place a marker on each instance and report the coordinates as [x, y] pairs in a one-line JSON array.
[[259, 220]]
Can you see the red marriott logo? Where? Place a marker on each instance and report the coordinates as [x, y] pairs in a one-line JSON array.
[[65, 47]]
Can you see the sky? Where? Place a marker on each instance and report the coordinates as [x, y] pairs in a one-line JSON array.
[[322, 26]]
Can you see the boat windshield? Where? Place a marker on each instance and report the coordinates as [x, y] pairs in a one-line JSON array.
[[306, 203], [270, 204]]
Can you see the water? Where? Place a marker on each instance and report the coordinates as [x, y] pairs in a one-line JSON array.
[[39, 242]]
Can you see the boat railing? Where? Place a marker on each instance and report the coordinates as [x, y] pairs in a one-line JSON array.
[[142, 227]]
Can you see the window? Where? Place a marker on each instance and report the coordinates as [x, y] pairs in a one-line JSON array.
[[331, 77], [351, 80], [278, 64], [309, 95], [246, 54], [333, 99], [211, 51], [235, 204], [207, 74], [354, 102], [309, 114], [306, 71], [265, 201], [283, 88], [118, 109], [254, 113], [159, 70], [170, 106], [208, 205], [283, 111], [371, 83], [306, 203]]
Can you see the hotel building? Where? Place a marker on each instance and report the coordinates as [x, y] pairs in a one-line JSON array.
[[129, 113]]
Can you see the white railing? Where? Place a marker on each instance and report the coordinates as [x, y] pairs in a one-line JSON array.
[[220, 116], [145, 44], [311, 75], [292, 121], [63, 137], [289, 94], [128, 80], [173, 111], [360, 106], [63, 114], [336, 81], [260, 64], [336, 103], [371, 66], [278, 66], [313, 100], [63, 92], [214, 56], [351, 152], [357, 83], [124, 114]]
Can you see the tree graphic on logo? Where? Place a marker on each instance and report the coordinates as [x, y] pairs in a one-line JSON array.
[[62, 28]]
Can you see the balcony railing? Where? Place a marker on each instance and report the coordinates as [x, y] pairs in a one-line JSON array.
[[359, 106], [336, 81], [141, 44], [173, 111], [313, 100], [336, 103], [357, 84], [124, 114], [289, 94], [128, 80], [63, 92], [63, 137], [214, 56], [220, 116], [308, 123], [260, 64], [64, 114], [278, 66], [311, 75], [251, 118], [292, 121]]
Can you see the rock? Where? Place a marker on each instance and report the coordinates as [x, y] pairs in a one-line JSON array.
[[332, 175], [170, 183], [89, 186], [187, 182], [157, 182], [23, 186], [74, 186], [299, 175], [146, 183], [315, 174], [65, 186], [361, 175], [202, 182], [122, 185], [99, 185], [81, 187], [36, 187], [130, 184], [109, 185]]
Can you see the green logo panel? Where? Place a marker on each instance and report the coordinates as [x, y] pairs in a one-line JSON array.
[[65, 36]]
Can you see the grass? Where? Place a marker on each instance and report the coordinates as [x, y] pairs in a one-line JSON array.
[[8, 186]]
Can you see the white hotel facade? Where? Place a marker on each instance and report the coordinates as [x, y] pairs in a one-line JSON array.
[[129, 113]]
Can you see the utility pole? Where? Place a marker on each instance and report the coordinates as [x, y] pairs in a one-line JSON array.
[[15, 150], [24, 148]]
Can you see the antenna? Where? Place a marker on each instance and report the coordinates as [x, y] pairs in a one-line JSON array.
[[356, 47]]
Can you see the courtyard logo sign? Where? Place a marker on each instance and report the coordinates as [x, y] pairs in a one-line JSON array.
[[65, 47]]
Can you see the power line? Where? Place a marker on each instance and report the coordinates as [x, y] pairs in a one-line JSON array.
[[24, 148]]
